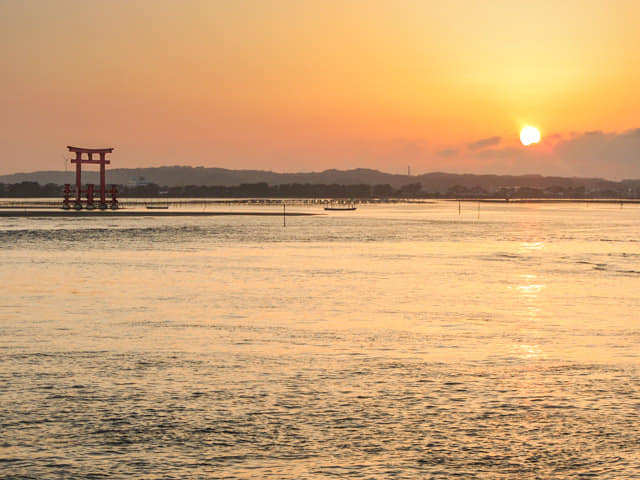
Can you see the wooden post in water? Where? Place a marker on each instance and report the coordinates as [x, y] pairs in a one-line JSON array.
[[284, 214], [459, 207]]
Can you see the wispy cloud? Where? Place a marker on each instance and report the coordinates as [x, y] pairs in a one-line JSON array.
[[447, 152], [596, 153], [498, 153], [606, 154], [484, 143]]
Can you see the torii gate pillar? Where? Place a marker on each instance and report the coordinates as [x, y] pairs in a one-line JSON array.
[[89, 160]]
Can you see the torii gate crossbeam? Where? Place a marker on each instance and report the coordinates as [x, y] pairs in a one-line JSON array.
[[102, 161]]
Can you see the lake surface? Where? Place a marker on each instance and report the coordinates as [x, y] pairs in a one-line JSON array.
[[397, 341]]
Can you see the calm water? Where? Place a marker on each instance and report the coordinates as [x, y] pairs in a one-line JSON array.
[[403, 341]]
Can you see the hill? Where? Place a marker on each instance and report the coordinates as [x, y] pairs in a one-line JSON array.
[[436, 182]]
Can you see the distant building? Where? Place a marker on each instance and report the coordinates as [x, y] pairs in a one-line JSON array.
[[137, 182]]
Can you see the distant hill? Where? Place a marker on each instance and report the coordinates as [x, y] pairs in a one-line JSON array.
[[431, 182], [177, 176]]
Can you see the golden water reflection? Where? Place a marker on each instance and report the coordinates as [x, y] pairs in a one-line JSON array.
[[529, 289], [528, 293], [532, 246], [528, 351]]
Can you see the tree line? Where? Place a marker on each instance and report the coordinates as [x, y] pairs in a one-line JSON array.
[[308, 190], [250, 190]]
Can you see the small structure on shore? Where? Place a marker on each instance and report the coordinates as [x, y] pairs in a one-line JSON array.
[[90, 202]]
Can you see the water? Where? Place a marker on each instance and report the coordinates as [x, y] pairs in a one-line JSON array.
[[402, 341]]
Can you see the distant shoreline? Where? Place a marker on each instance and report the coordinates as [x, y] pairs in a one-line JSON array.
[[46, 207], [185, 182], [547, 200], [139, 213]]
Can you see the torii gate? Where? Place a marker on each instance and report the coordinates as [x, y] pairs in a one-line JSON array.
[[89, 160]]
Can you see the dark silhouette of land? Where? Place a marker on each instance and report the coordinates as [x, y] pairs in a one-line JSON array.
[[174, 182], [137, 213]]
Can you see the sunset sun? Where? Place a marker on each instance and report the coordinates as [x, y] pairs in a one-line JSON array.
[[529, 135]]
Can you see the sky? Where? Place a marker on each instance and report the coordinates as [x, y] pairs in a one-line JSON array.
[[299, 86]]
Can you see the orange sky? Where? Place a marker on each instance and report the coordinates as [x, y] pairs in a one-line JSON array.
[[308, 85]]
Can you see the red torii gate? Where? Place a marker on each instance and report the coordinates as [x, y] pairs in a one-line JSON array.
[[90, 190]]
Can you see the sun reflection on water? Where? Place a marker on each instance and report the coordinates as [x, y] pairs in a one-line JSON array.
[[529, 289], [530, 311], [532, 246], [528, 351]]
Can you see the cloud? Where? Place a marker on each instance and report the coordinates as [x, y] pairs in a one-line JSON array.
[[499, 153], [484, 143], [447, 152], [633, 133], [552, 138], [611, 155]]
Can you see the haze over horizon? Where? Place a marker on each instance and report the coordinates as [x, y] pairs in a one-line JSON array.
[[297, 86]]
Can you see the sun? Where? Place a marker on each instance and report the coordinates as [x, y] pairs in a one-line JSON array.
[[529, 135]]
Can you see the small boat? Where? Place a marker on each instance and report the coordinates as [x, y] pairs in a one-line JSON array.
[[157, 207], [341, 208]]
